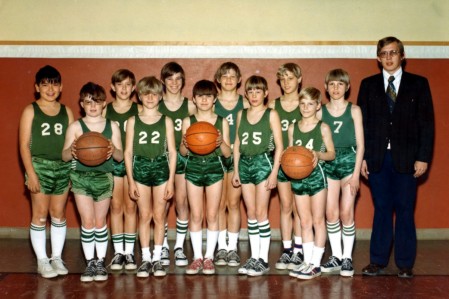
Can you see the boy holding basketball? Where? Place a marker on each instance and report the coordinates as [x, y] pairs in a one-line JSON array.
[[289, 78], [150, 159], [310, 192], [204, 175], [177, 107], [258, 135], [41, 138], [92, 185], [227, 105], [343, 173], [123, 209]]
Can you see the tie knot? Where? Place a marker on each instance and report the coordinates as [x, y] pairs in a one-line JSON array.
[[390, 79]]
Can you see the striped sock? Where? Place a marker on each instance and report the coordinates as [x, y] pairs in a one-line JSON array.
[[334, 233], [298, 245], [88, 242], [130, 240], [265, 237], [117, 241], [181, 232], [348, 240], [58, 231], [38, 240], [254, 238], [101, 241]]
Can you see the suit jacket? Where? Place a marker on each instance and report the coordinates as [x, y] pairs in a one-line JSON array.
[[409, 128]]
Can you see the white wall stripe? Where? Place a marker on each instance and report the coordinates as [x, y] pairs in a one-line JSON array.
[[256, 52]]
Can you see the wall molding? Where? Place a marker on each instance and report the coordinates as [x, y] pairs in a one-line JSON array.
[[268, 50]]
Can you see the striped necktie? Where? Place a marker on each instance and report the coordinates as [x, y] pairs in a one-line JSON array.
[[391, 91]]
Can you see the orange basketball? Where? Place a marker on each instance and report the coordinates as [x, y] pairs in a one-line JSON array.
[[92, 148], [201, 137], [296, 162]]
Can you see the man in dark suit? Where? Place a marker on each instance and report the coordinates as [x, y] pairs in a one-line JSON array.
[[398, 122]]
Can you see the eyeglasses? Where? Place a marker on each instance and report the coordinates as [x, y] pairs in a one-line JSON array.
[[385, 54]]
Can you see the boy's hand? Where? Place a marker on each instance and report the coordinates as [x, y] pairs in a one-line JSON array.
[[315, 159], [133, 191], [354, 184], [33, 183], [219, 139], [111, 149], [184, 141], [272, 181], [236, 179], [73, 149], [169, 191]]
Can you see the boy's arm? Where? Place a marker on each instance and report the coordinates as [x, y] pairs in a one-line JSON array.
[[182, 147], [25, 125], [236, 152], [70, 138], [290, 134], [128, 157], [224, 146], [275, 124], [359, 139], [117, 150], [172, 156], [329, 154]]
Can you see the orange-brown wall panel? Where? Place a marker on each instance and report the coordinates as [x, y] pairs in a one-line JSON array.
[[17, 79]]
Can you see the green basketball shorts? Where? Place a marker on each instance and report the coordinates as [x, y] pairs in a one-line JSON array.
[[343, 164], [97, 185], [204, 172], [255, 169], [53, 175], [312, 184], [151, 172]]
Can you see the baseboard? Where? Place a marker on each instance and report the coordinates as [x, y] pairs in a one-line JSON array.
[[361, 234]]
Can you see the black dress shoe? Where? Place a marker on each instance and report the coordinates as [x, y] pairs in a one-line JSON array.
[[373, 269], [405, 273]]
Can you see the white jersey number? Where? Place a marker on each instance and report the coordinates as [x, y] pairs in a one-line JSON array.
[[256, 138], [154, 137], [178, 124], [230, 119], [46, 129], [309, 144], [338, 125]]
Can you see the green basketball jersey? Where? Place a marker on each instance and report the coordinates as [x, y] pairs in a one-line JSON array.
[[177, 117], [312, 140], [48, 133], [150, 140], [343, 131], [287, 118], [219, 125], [106, 166], [121, 118], [257, 138], [230, 115]]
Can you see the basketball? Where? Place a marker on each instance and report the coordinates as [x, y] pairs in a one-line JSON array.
[[92, 148], [201, 137], [296, 162]]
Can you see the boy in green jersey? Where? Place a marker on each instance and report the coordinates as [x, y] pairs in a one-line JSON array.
[[204, 176], [258, 135], [310, 192], [92, 185], [343, 173], [123, 209], [229, 102], [41, 136], [289, 78], [177, 107], [150, 159]]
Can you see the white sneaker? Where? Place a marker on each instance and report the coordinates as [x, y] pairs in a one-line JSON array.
[[58, 265], [45, 269]]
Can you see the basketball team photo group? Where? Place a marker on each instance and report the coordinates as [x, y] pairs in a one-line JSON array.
[[141, 146]]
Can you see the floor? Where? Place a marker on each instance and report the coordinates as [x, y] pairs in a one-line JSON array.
[[19, 280]]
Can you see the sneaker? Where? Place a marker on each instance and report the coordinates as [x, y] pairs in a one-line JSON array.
[[101, 274], [89, 272], [249, 264], [208, 267], [296, 260], [333, 264], [45, 269], [158, 269], [180, 258], [58, 265], [346, 268], [295, 272], [220, 258], [144, 269], [165, 257], [233, 258], [284, 260], [195, 267], [130, 262], [260, 268], [310, 272], [118, 261]]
